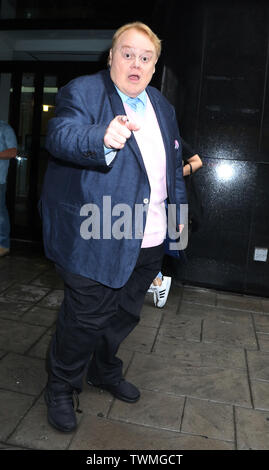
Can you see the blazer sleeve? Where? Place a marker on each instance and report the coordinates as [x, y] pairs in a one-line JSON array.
[[187, 151], [73, 135], [180, 187]]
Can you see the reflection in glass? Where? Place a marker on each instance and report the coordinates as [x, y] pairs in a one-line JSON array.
[[7, 9], [24, 149]]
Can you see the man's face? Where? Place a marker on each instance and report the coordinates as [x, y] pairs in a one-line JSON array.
[[132, 62]]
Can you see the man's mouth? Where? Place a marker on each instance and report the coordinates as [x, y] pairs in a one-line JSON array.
[[134, 77]]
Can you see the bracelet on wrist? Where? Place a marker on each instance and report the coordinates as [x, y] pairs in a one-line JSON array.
[[190, 168]]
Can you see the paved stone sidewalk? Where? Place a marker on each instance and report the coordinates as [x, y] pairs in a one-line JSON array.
[[201, 362]]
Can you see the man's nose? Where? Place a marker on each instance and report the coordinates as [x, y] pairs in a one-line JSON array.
[[136, 62]]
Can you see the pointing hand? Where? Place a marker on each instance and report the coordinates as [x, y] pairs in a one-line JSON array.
[[118, 131]]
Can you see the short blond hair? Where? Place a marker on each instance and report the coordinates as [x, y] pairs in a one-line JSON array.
[[143, 28]]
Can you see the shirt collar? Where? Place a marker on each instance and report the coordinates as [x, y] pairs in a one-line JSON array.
[[142, 96]]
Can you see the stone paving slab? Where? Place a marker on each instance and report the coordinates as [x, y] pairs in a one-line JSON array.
[[25, 263], [40, 349], [241, 302], [200, 296], [199, 311], [40, 316], [265, 305], [23, 374], [258, 363], [140, 339], [200, 354], [8, 447], [53, 299], [231, 316], [166, 375], [34, 432], [252, 429], [12, 310], [261, 323], [25, 292], [2, 353], [5, 284], [227, 315], [98, 434], [18, 337], [235, 334], [208, 419], [49, 279], [154, 409], [182, 327], [263, 342], [95, 401], [210, 313], [151, 316], [18, 273], [13, 407], [260, 392]]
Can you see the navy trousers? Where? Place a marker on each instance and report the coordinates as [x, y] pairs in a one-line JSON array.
[[94, 320]]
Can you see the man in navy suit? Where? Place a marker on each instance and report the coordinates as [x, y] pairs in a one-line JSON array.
[[115, 162]]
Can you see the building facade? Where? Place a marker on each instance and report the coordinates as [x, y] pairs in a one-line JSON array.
[[214, 69]]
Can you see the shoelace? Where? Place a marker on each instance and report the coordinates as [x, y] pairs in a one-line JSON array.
[[75, 396]]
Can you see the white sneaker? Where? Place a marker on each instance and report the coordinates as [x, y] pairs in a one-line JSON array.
[[160, 293]]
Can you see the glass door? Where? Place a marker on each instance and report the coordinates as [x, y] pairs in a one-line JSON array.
[[32, 107], [32, 104]]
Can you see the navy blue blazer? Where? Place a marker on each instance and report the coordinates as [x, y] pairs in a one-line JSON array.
[[77, 175]]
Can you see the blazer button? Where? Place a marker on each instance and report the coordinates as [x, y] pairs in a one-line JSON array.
[[146, 201]]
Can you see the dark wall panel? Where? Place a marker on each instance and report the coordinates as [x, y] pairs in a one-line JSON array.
[[233, 81], [264, 135], [223, 109], [217, 253]]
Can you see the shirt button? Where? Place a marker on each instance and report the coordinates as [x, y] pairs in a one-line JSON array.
[[146, 201]]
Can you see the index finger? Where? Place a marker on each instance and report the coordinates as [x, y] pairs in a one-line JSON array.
[[122, 119]]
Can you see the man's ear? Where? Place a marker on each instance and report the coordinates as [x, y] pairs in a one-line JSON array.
[[110, 57]]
